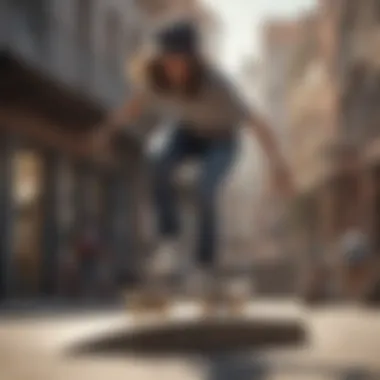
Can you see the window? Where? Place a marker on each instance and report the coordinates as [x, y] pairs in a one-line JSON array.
[[66, 195], [36, 16], [84, 16], [27, 200]]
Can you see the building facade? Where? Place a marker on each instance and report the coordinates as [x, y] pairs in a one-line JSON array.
[[359, 64], [308, 97], [61, 71], [280, 37], [333, 93]]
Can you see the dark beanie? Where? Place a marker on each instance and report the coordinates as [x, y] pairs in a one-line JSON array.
[[181, 37]]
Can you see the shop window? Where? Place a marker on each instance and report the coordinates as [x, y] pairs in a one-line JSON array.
[[28, 179], [35, 15], [67, 204]]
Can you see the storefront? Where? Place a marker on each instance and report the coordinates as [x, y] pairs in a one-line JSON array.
[[51, 182], [45, 200], [30, 224], [27, 185], [372, 203], [6, 215]]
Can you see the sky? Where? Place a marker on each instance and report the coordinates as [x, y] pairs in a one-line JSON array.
[[241, 22]]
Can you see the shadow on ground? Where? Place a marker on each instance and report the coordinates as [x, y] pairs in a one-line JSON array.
[[221, 348], [239, 368], [203, 338]]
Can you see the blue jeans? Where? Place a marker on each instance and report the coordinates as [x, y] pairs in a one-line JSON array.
[[216, 156]]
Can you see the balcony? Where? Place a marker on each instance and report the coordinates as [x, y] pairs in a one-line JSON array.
[[45, 46]]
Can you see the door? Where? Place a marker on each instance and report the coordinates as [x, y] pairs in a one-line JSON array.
[[26, 234]]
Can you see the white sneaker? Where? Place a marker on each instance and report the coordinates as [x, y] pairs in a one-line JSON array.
[[165, 258]]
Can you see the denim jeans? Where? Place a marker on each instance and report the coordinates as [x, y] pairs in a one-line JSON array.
[[216, 156]]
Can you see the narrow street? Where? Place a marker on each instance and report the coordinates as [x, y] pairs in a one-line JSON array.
[[101, 102], [343, 344]]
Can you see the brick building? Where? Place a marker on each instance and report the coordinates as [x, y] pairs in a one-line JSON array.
[[309, 96], [279, 38], [360, 94], [60, 67], [333, 93]]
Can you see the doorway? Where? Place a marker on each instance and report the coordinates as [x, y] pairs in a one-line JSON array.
[[26, 234]]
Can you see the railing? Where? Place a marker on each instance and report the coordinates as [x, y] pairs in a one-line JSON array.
[[57, 53]]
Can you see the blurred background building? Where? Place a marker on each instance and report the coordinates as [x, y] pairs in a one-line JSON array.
[[265, 80], [61, 66], [279, 40], [61, 70], [332, 92], [325, 150], [317, 81]]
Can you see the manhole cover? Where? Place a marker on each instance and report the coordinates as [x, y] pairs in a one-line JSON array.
[[198, 338]]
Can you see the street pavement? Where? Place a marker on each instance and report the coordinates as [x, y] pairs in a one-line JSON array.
[[343, 344]]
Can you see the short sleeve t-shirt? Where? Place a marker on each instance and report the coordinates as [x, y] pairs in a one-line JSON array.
[[216, 108]]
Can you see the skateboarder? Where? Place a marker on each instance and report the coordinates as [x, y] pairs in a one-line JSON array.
[[178, 83]]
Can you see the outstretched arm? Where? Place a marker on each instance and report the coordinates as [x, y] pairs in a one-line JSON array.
[[128, 113], [277, 162], [233, 97]]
